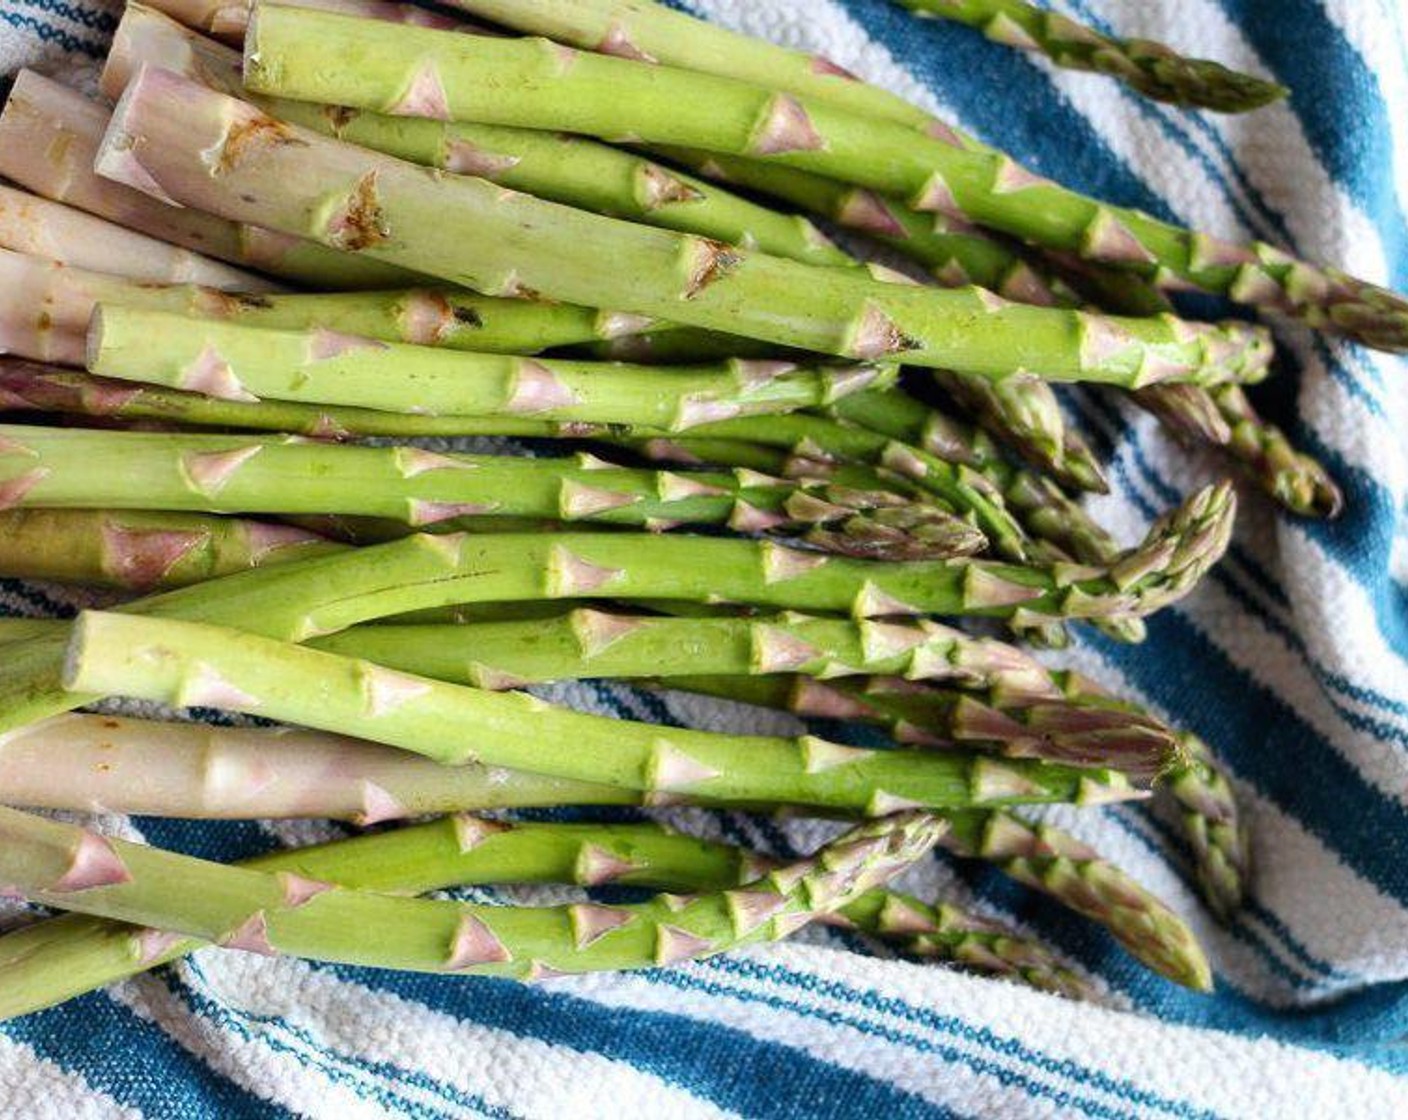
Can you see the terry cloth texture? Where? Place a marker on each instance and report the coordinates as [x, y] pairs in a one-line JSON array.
[[1292, 661]]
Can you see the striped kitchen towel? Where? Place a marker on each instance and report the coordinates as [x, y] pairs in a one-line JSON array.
[[1292, 660]]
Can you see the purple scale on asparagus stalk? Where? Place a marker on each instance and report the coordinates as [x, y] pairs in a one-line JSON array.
[[13, 491], [937, 197], [424, 96], [751, 908], [671, 770], [591, 922], [785, 127], [413, 461], [210, 471], [569, 574], [537, 389], [778, 650], [212, 375], [140, 558], [819, 755], [203, 687], [251, 936], [781, 564], [464, 158], [748, 518], [577, 500], [299, 891], [1012, 177], [874, 602], [882, 803], [324, 344], [420, 512], [617, 42], [471, 831], [866, 211], [474, 944], [1109, 239], [494, 680], [673, 944], [597, 631], [385, 690], [93, 863], [898, 916], [596, 866], [153, 944], [379, 805]]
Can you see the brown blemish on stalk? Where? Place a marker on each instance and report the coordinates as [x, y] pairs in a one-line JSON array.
[[251, 137], [361, 224], [713, 261]]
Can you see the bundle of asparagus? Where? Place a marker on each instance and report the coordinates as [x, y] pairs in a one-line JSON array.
[[477, 230]]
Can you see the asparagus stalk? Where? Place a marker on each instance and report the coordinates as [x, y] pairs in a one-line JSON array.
[[1056, 863], [570, 170], [1152, 68], [319, 366], [470, 232], [953, 174], [1296, 480], [29, 224], [25, 386], [72, 954], [140, 551], [49, 136], [924, 715], [195, 664], [326, 594], [74, 468], [286, 913], [1020, 410], [47, 307], [195, 770], [64, 957], [586, 642], [1208, 811], [227, 19], [607, 181]]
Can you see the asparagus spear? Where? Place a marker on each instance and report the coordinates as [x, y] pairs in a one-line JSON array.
[[1208, 810], [570, 170], [193, 770], [1154, 69], [195, 664], [63, 957], [1022, 409], [470, 232], [25, 386], [323, 595], [956, 175], [227, 19], [74, 468], [926, 715], [47, 307], [1225, 419], [1296, 480], [283, 912], [586, 642], [1052, 861], [29, 224], [319, 366], [49, 137], [138, 551]]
